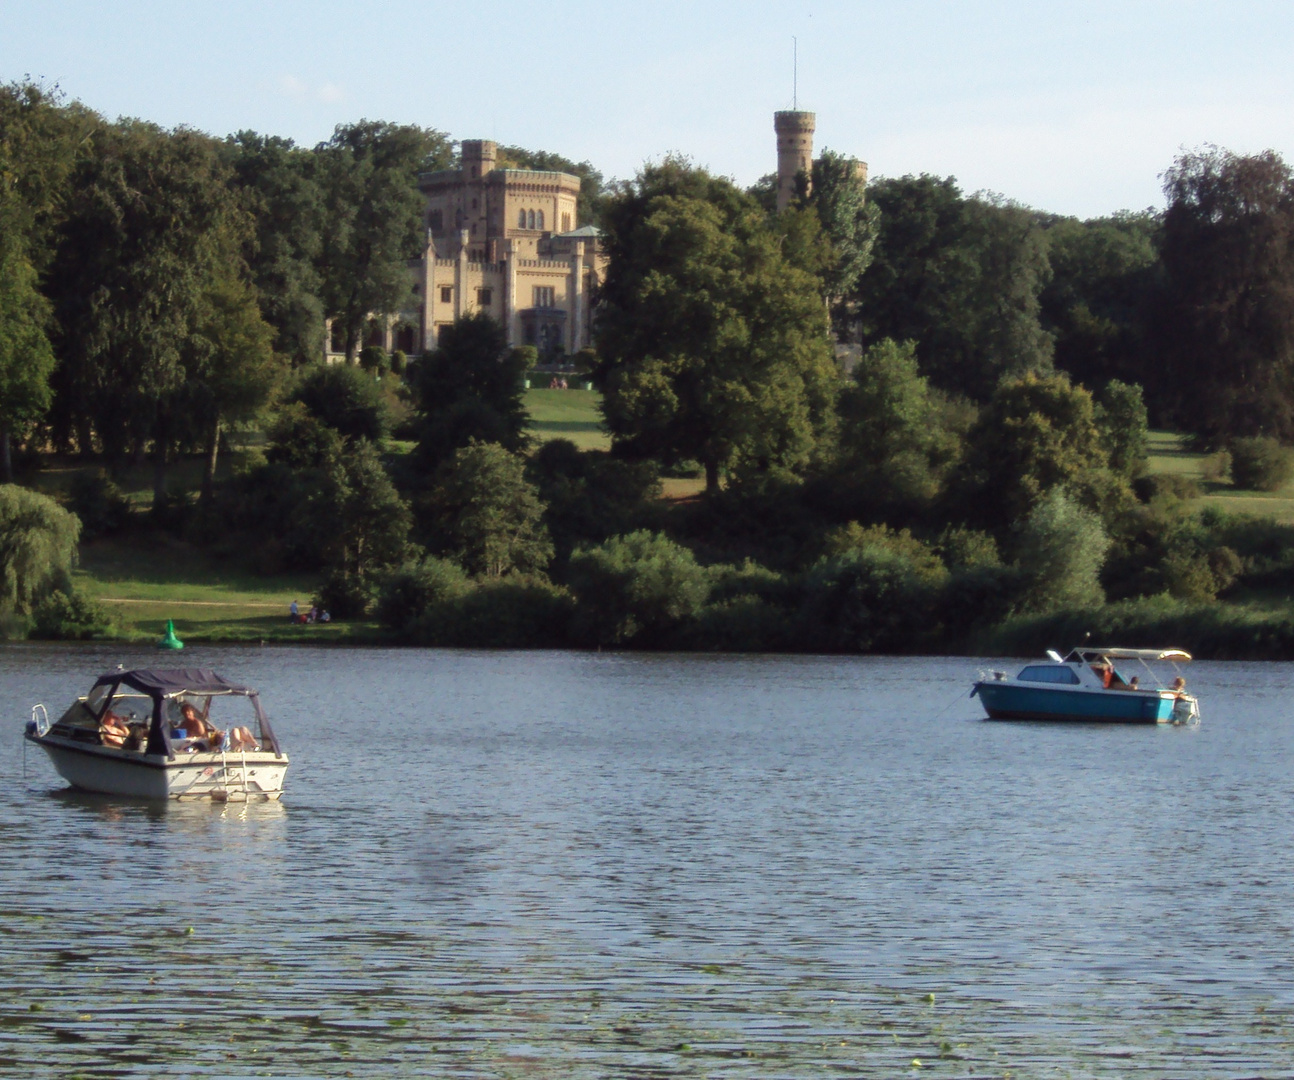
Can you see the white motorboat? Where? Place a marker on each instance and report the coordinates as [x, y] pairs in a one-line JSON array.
[[134, 734]]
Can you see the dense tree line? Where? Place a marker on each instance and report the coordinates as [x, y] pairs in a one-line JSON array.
[[919, 415]]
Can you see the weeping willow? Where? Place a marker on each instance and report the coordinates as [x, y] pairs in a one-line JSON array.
[[37, 547]]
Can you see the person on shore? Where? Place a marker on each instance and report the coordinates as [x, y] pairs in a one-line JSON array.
[[294, 612]]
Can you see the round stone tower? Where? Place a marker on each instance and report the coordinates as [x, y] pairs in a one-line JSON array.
[[794, 151]]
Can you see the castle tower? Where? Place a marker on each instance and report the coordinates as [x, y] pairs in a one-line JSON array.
[[794, 151], [479, 158]]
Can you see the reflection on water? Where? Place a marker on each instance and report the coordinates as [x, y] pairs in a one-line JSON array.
[[552, 865]]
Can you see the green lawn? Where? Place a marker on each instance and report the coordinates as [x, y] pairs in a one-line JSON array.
[[143, 585], [567, 414], [1168, 456]]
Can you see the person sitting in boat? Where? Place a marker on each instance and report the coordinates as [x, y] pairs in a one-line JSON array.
[[1179, 685], [1105, 672], [204, 736], [113, 730], [241, 738], [1134, 683]]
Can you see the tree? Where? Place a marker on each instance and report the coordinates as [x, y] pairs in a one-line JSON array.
[[636, 587], [1121, 416], [150, 220], [714, 347], [1226, 326], [484, 514], [962, 278], [37, 154], [233, 363], [1034, 435], [839, 198], [1104, 275], [37, 548], [1060, 551], [344, 398], [279, 186], [470, 387], [372, 218]]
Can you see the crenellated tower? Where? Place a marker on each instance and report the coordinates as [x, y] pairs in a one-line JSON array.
[[794, 151]]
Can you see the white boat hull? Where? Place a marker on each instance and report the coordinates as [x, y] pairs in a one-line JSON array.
[[229, 777]]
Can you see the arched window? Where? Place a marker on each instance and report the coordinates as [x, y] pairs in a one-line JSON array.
[[532, 219], [521, 219], [541, 221]]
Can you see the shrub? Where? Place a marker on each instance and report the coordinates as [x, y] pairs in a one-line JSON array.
[[345, 399], [1166, 488], [374, 360], [406, 595], [346, 596], [1216, 468], [1260, 464], [512, 613], [399, 361], [73, 616], [99, 503], [872, 598], [1060, 551], [637, 587]]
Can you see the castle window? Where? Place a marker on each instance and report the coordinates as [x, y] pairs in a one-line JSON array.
[[543, 296], [483, 297], [473, 204], [566, 223], [541, 221], [521, 219], [446, 294], [531, 219], [436, 221], [337, 337]]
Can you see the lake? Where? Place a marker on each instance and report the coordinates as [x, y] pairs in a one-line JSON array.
[[607, 865]]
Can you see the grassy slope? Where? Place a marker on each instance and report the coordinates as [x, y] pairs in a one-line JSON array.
[[1168, 456], [567, 414]]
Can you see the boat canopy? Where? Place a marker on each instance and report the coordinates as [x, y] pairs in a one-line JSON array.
[[173, 682], [1115, 653]]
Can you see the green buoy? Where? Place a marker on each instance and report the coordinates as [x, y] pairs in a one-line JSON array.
[[170, 641]]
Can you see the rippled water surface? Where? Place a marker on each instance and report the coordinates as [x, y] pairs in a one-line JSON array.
[[556, 864]]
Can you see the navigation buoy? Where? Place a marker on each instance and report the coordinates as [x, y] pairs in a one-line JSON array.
[[169, 640]]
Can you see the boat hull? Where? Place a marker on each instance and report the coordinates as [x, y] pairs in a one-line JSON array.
[[1011, 701], [220, 777]]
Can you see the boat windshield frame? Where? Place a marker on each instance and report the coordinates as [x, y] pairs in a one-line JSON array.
[[1095, 656]]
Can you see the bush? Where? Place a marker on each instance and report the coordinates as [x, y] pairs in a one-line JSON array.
[[99, 503], [1216, 468], [1165, 488], [1260, 464], [346, 596], [71, 616], [374, 360], [345, 399], [872, 598], [514, 613], [406, 595], [635, 588], [399, 361]]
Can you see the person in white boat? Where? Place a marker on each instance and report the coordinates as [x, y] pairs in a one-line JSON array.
[[113, 730], [212, 738]]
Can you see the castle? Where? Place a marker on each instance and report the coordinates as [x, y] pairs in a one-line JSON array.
[[506, 242]]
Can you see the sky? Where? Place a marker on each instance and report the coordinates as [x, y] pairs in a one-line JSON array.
[[1072, 108]]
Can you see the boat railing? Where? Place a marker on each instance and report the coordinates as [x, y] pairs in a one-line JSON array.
[[40, 719]]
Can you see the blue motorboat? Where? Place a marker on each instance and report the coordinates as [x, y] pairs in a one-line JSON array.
[[1110, 685]]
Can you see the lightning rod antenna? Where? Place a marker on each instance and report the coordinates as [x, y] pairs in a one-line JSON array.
[[795, 72]]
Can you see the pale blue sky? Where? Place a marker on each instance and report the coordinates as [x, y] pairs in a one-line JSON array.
[[1075, 108]]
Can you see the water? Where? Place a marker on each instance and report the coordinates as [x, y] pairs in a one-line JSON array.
[[567, 865]]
